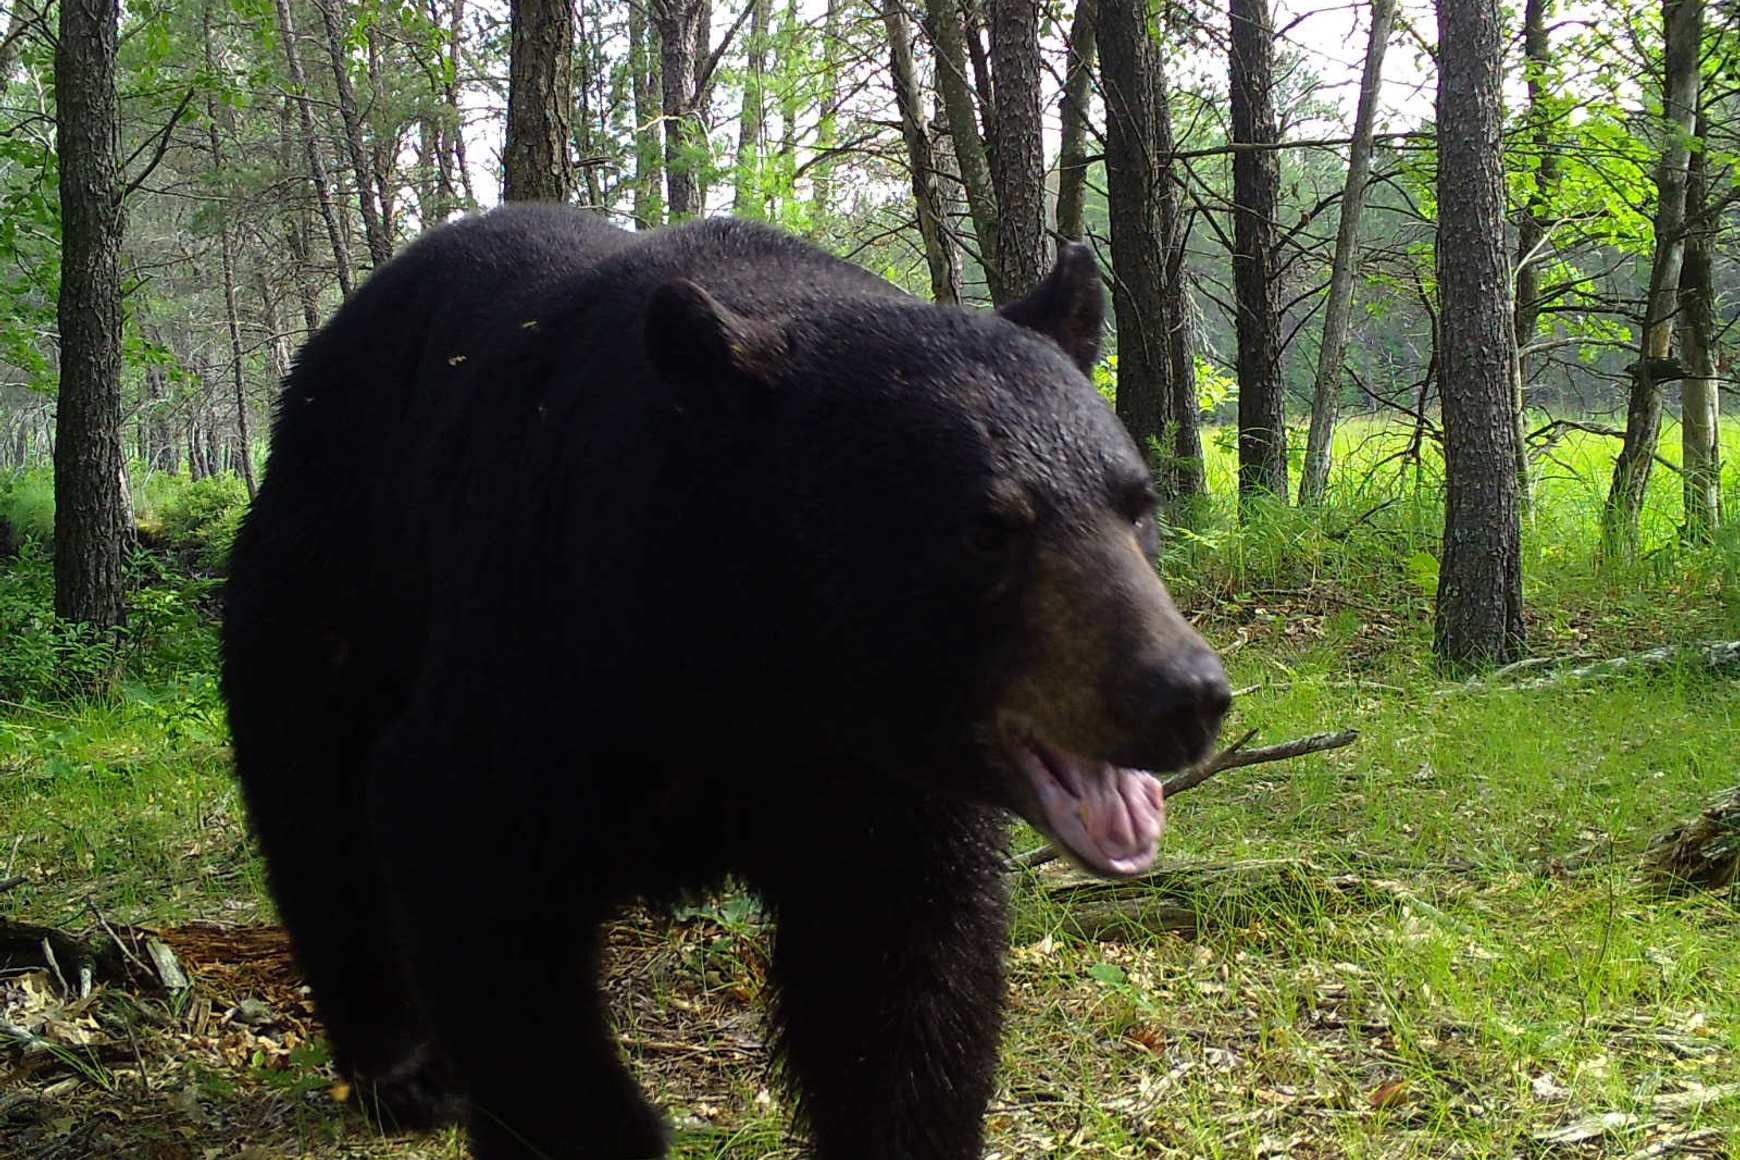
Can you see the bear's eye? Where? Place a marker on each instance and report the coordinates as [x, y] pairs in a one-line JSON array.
[[990, 537], [1137, 504]]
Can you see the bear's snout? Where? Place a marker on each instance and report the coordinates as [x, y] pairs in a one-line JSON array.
[[1168, 707]]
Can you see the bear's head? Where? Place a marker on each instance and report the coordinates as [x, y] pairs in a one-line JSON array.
[[957, 540]]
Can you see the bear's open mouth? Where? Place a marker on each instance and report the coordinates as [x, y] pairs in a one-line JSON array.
[[1105, 818]]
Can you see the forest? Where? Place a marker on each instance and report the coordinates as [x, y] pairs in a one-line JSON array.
[[1420, 314]]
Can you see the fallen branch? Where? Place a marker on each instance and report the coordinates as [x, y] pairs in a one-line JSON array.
[[1232, 757], [1715, 655]]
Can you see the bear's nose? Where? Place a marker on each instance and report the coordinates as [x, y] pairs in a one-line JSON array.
[[1199, 684], [1170, 708]]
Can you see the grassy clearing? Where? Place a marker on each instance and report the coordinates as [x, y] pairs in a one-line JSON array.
[[1431, 944]]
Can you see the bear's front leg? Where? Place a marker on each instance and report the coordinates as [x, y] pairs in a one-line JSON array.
[[888, 971], [499, 932]]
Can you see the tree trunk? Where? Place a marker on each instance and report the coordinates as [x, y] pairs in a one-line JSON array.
[[1256, 268], [676, 20], [973, 13], [927, 197], [1156, 394], [944, 19], [1018, 165], [1682, 29], [161, 453], [456, 116], [227, 262], [335, 229], [748, 199], [700, 104], [643, 63], [1535, 222], [90, 510], [375, 231], [278, 342], [828, 124], [1699, 401], [381, 156], [1337, 310], [298, 225], [537, 163], [1072, 160], [1479, 615]]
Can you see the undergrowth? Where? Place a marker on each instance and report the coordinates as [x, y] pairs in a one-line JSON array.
[[1430, 943]]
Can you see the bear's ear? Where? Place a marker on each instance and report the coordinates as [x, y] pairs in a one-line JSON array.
[[1068, 305], [715, 358]]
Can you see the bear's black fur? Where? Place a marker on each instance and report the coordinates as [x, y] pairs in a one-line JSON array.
[[590, 566]]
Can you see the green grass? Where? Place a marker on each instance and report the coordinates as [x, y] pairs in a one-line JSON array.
[[1429, 944]]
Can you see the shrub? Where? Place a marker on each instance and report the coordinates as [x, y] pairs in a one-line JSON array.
[[198, 520], [42, 657], [27, 505]]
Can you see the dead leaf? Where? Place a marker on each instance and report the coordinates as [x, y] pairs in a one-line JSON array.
[[1390, 1095]]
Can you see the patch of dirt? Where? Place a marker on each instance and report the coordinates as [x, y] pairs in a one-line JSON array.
[[234, 1066]]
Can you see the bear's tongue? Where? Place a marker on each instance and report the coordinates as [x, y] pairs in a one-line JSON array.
[[1108, 818]]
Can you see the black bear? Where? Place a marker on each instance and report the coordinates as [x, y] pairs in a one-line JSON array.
[[591, 566]]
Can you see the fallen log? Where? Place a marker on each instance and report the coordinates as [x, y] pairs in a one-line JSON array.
[[1714, 655], [1700, 854], [81, 962]]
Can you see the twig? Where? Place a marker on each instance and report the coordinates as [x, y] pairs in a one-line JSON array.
[[1234, 757], [1197, 774], [162, 148], [124, 948], [48, 957], [41, 712]]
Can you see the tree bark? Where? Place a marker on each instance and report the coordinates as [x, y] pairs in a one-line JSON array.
[[317, 171], [90, 511], [1256, 267], [945, 283], [380, 242], [537, 162], [944, 21], [1682, 29], [1700, 446], [1156, 390], [1479, 615], [1338, 308], [1072, 160], [1018, 165], [676, 21]]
